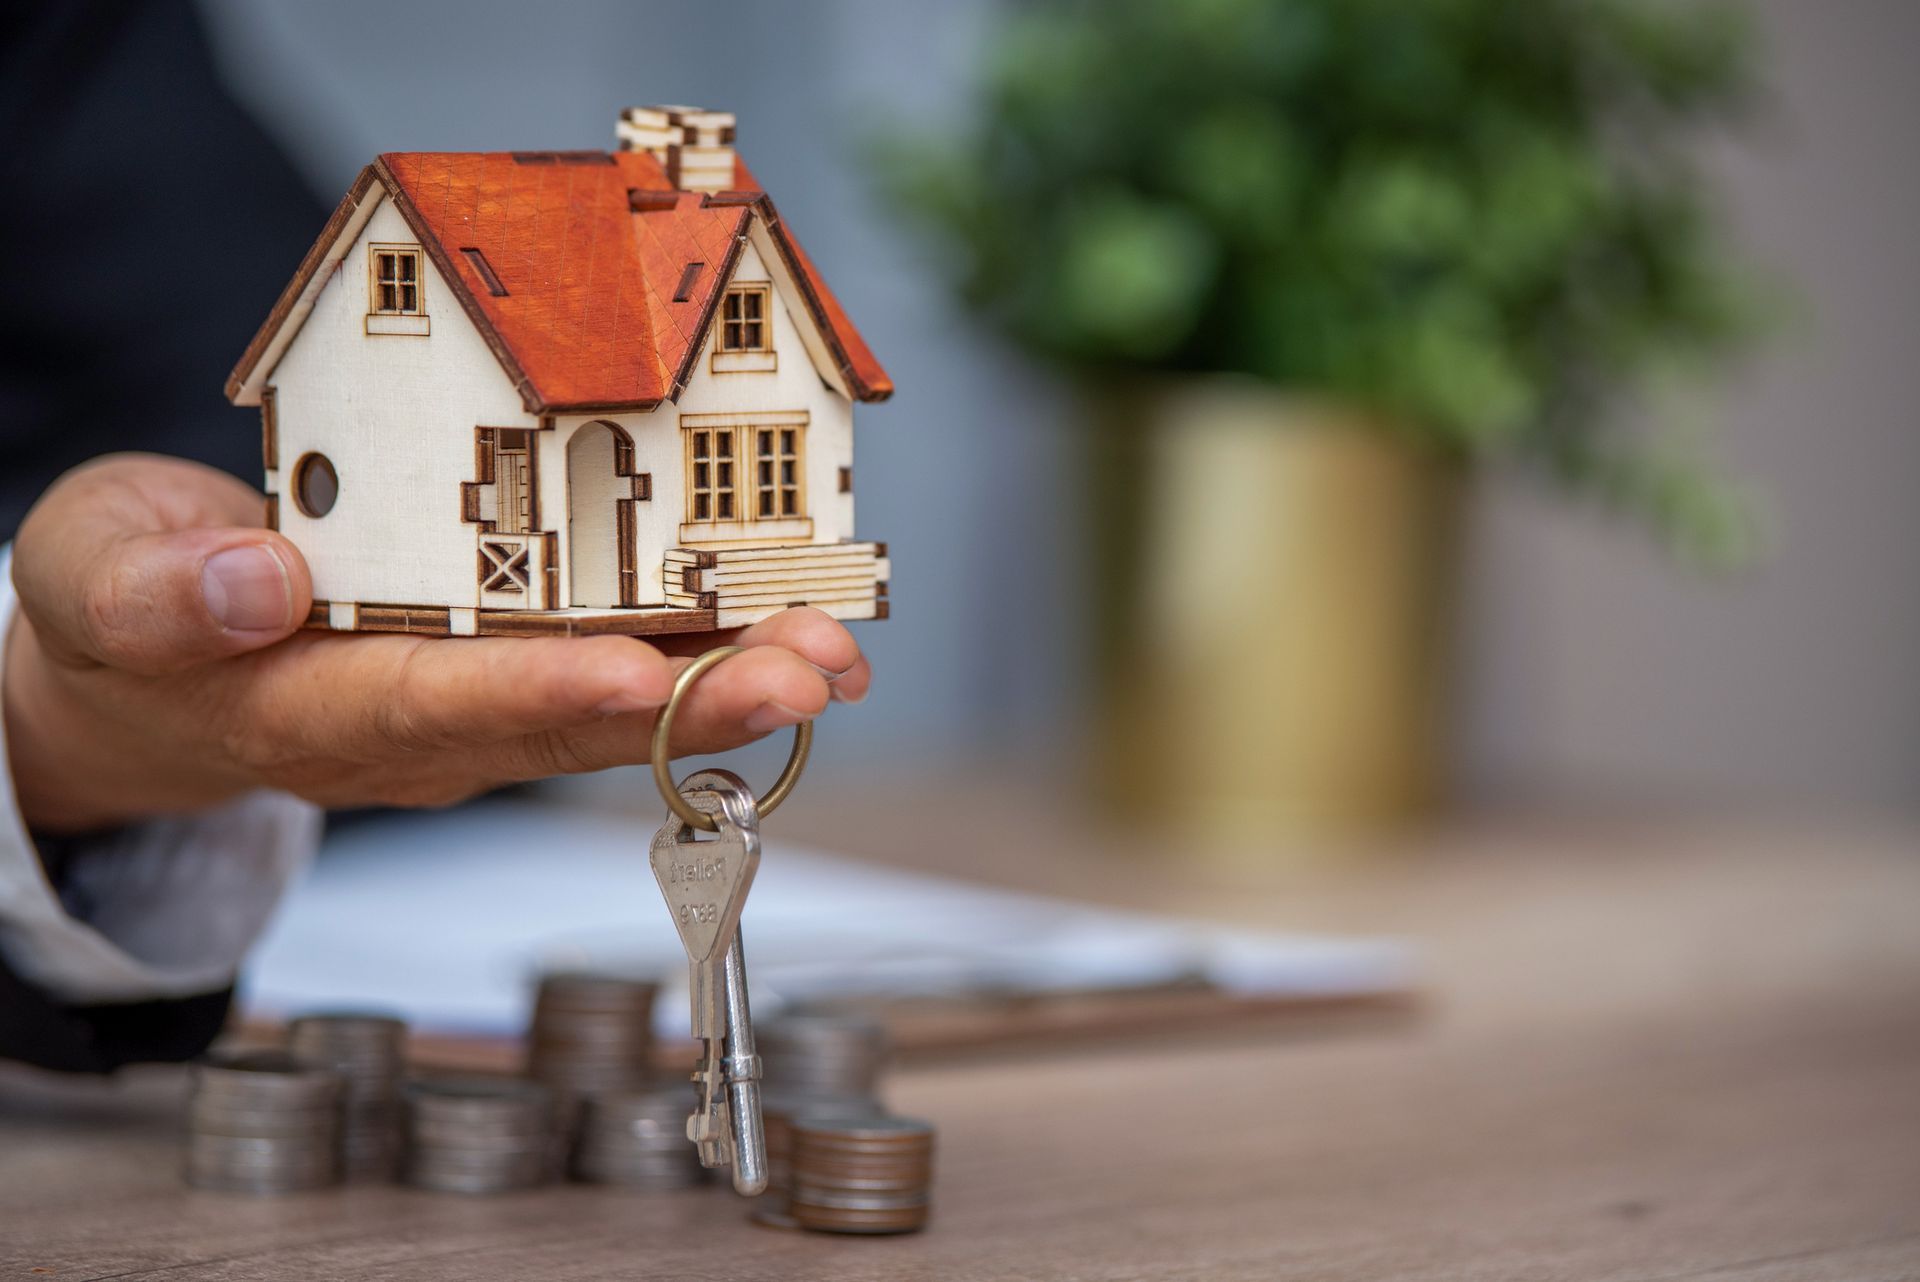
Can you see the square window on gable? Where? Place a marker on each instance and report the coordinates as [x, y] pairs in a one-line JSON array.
[[745, 319], [394, 282]]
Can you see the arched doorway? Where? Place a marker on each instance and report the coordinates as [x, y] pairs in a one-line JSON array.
[[600, 527]]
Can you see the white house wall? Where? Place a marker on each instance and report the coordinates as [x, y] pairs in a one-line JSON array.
[[396, 416]]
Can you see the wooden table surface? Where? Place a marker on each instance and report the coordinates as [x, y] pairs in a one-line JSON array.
[[1653, 1051]]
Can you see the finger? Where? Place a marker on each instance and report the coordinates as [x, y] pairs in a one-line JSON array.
[[367, 697], [746, 697], [141, 563], [427, 779], [420, 694], [157, 603], [812, 634], [853, 685], [764, 689], [146, 494]]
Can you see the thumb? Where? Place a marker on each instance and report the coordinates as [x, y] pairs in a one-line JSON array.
[[160, 602], [143, 564]]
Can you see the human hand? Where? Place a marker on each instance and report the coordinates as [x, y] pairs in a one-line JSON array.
[[156, 665]]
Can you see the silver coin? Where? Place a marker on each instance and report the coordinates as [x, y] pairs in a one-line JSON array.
[[294, 1174], [874, 1223], [477, 1158], [303, 1176], [477, 1099], [265, 1127], [596, 988], [445, 1132], [208, 1142], [348, 1027], [836, 1186], [263, 1078], [876, 1193], [883, 1129]]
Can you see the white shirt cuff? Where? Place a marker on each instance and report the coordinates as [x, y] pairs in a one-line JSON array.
[[170, 906]]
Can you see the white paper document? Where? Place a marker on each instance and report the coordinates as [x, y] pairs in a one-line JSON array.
[[447, 919]]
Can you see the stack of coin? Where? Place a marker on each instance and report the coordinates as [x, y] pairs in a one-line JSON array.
[[861, 1176], [591, 1035], [369, 1053], [638, 1139], [821, 1054], [478, 1135], [778, 1112], [263, 1122]]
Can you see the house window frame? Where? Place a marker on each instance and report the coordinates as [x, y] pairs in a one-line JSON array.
[[705, 470], [375, 283], [788, 489], [732, 325], [779, 455]]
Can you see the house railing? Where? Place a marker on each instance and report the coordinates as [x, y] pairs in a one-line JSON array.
[[513, 571]]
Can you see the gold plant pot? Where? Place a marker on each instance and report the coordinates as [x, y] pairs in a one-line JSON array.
[[1274, 582]]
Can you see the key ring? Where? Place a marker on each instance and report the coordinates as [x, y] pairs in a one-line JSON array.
[[663, 731]]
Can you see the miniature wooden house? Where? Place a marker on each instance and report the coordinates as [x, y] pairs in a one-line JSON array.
[[518, 392]]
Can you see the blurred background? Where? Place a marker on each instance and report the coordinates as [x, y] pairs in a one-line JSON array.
[[1578, 662]]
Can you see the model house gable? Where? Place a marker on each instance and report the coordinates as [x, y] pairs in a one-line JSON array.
[[757, 321]]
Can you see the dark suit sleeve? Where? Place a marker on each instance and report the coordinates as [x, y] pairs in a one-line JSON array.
[[148, 226], [36, 1029]]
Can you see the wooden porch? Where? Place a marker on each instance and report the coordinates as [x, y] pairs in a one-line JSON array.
[[740, 585]]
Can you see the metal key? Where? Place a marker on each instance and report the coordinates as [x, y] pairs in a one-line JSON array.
[[741, 1073], [705, 882], [728, 1126]]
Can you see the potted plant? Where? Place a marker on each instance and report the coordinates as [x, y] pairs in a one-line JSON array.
[[1315, 261]]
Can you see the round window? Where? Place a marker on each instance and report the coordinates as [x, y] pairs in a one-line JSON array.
[[315, 485]]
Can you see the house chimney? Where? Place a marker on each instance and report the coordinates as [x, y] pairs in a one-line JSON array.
[[695, 147]]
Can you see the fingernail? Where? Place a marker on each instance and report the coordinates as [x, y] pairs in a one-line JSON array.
[[828, 673], [839, 695], [247, 590], [627, 701], [771, 716]]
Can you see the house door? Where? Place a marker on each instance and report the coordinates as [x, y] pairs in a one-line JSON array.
[[600, 517], [513, 474], [514, 554]]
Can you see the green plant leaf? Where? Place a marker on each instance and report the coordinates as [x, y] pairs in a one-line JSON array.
[[1481, 219]]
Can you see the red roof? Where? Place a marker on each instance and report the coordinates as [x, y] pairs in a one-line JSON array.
[[591, 250]]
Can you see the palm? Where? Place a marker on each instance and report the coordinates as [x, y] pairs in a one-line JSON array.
[[119, 725]]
